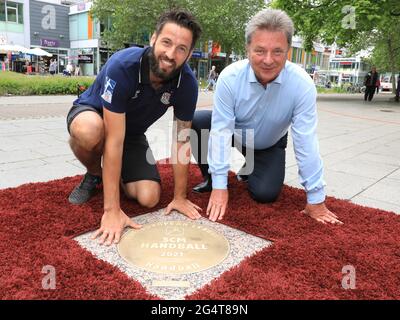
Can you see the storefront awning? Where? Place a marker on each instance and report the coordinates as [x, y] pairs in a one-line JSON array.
[[38, 52], [12, 48]]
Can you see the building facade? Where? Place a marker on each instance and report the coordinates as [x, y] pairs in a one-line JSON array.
[[14, 23], [343, 68], [49, 30], [66, 29], [85, 39], [312, 62]]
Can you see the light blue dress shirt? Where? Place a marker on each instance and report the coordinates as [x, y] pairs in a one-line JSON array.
[[242, 103]]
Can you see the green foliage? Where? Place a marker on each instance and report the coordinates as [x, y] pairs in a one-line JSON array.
[[331, 90], [374, 24], [130, 20], [326, 20], [222, 21], [21, 84]]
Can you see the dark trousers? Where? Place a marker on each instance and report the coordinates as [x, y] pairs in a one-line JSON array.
[[266, 180], [369, 93]]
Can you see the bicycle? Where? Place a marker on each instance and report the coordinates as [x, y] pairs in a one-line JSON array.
[[355, 88]]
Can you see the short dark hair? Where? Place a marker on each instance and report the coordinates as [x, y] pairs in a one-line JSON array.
[[182, 18]]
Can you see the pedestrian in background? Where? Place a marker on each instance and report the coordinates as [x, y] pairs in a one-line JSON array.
[[53, 67], [370, 84], [212, 79]]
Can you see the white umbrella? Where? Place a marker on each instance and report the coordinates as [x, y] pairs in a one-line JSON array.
[[12, 48], [39, 52]]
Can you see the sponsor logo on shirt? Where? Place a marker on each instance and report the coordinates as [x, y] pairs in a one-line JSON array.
[[108, 89]]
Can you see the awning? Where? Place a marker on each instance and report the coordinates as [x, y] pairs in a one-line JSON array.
[[12, 48], [38, 52]]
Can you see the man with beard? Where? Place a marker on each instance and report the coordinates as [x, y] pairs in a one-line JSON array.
[[109, 120]]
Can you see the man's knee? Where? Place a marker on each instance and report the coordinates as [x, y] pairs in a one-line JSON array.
[[148, 198], [147, 193], [87, 132], [264, 194], [201, 120]]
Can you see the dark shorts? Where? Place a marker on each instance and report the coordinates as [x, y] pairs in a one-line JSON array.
[[138, 162]]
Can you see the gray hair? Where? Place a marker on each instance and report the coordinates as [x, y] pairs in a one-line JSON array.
[[271, 20]]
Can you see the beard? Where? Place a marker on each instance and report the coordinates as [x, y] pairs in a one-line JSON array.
[[154, 63]]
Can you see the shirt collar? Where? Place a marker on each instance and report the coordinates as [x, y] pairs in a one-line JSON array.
[[252, 77], [144, 74]]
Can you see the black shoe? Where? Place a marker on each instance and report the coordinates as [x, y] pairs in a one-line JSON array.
[[85, 190], [205, 186]]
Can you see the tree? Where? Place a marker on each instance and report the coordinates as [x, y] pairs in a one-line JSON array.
[[222, 21], [129, 20], [356, 24]]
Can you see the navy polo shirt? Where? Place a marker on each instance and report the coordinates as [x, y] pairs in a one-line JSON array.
[[123, 86]]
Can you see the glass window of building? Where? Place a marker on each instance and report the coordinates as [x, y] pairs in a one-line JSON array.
[[2, 10], [78, 26], [11, 12], [20, 12], [11, 9]]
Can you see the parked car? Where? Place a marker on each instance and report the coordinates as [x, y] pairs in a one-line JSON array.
[[386, 83], [386, 86]]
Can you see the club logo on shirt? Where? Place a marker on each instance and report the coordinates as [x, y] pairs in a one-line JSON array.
[[165, 98], [108, 89]]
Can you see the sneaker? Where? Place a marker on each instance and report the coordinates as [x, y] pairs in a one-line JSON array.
[[85, 190]]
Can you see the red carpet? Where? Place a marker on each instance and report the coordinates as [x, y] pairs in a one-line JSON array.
[[37, 225]]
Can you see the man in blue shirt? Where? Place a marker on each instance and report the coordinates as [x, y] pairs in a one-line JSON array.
[[109, 120], [256, 101]]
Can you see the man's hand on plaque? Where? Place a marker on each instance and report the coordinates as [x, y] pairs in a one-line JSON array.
[[217, 204], [113, 224], [184, 206]]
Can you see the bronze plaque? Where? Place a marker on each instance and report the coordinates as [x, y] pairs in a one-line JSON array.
[[173, 247]]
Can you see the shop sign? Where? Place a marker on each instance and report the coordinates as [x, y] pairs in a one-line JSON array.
[[49, 42], [85, 58], [196, 54]]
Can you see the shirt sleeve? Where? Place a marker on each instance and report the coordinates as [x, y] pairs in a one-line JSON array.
[[185, 102], [114, 92], [306, 148], [222, 129]]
